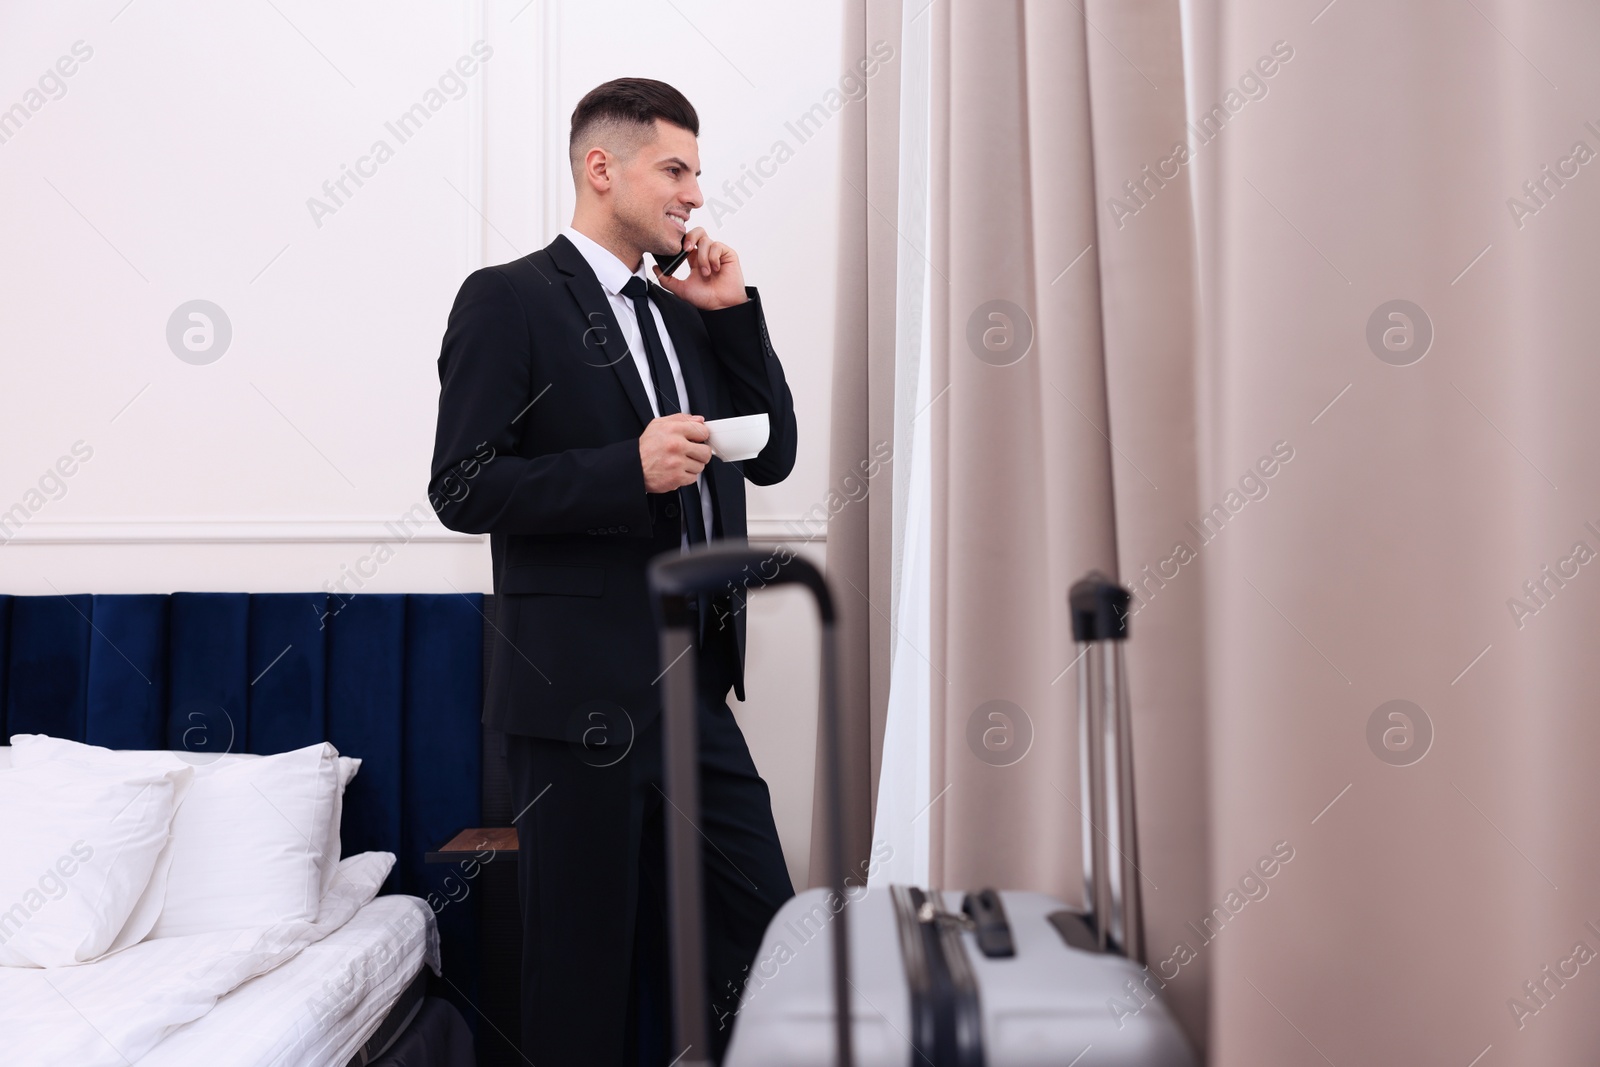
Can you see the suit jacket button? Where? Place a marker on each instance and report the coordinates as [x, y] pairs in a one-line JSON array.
[[591, 533], [622, 529], [672, 511]]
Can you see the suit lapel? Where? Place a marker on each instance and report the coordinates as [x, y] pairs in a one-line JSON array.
[[604, 346], [603, 343]]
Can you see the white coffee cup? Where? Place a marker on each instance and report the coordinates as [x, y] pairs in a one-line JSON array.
[[739, 438]]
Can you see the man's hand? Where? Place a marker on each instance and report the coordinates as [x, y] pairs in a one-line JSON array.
[[673, 452], [715, 279]]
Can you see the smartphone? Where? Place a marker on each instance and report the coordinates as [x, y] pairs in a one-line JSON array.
[[676, 261]]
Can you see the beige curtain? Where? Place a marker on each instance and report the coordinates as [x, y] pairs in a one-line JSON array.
[[1149, 284], [1401, 555], [1024, 472], [1047, 465], [1317, 387]]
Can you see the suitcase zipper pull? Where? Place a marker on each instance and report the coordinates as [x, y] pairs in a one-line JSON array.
[[932, 912]]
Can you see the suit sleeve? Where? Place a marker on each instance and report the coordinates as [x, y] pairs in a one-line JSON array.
[[755, 382], [479, 482]]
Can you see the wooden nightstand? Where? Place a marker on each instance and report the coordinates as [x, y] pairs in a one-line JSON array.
[[486, 864], [466, 845]]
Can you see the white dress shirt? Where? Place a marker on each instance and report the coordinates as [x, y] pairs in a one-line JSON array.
[[613, 275]]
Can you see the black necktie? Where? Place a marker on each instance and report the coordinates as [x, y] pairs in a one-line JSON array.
[[666, 391]]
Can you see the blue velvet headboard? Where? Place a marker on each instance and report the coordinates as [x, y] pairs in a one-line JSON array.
[[394, 679]]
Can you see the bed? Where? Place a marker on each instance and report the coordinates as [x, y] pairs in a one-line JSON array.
[[321, 1008], [392, 680]]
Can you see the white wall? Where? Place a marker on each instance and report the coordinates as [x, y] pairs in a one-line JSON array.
[[176, 163]]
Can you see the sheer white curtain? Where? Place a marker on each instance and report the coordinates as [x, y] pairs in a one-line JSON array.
[[901, 820]]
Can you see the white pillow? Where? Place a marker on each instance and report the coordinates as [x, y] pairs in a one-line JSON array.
[[5, 756], [250, 843], [42, 747], [360, 876], [254, 843], [332, 847], [78, 847]]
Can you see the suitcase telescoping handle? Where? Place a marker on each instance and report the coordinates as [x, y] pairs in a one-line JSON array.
[[675, 579], [1099, 608]]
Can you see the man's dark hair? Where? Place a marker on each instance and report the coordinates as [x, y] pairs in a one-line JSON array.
[[625, 110]]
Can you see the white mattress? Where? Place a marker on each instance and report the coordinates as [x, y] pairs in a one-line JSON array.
[[317, 1009]]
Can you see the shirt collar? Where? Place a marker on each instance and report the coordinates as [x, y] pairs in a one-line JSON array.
[[611, 271]]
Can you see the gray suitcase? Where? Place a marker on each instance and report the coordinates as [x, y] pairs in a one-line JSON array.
[[927, 979]]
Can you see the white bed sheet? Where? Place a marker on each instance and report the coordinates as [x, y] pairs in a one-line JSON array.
[[319, 1008], [113, 1011]]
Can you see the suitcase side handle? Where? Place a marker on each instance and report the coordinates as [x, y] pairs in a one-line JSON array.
[[676, 579], [990, 925]]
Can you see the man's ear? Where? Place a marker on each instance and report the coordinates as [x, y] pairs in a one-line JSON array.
[[597, 164]]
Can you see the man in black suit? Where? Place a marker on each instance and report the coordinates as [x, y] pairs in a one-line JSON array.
[[574, 396]]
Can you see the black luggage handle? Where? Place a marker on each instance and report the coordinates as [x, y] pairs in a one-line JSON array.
[[676, 578], [1099, 608]]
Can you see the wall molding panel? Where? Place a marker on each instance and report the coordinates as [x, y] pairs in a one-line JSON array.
[[182, 531], [188, 531]]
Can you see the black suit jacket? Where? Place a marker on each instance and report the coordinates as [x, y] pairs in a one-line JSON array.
[[540, 412]]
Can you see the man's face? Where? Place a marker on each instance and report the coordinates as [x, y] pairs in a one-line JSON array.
[[656, 190]]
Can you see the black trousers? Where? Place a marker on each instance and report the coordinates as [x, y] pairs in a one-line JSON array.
[[591, 869]]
